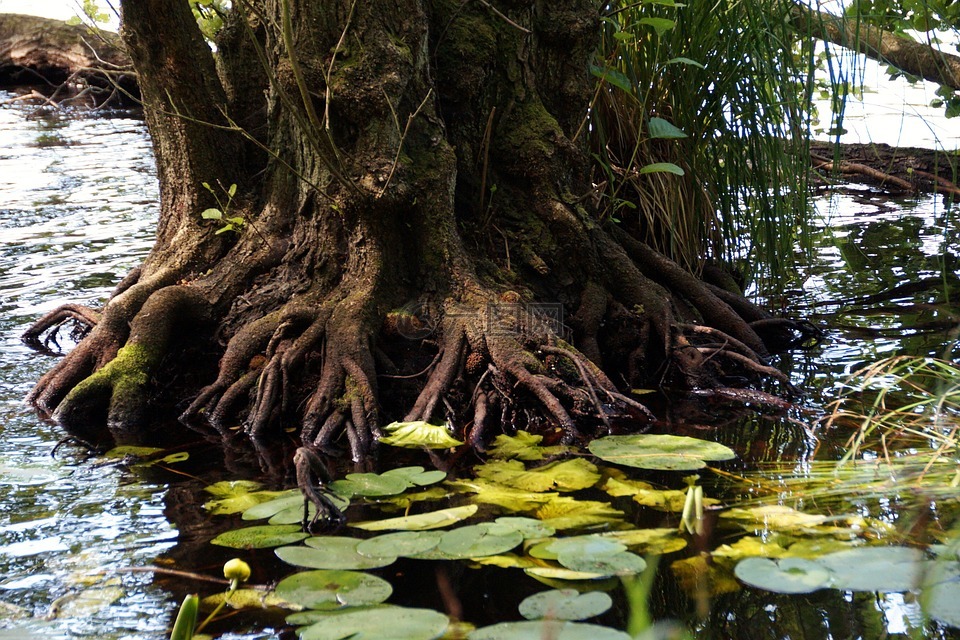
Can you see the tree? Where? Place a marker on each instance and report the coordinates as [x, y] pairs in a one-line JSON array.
[[369, 211]]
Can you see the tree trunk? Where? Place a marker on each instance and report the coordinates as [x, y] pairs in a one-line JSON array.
[[411, 237]]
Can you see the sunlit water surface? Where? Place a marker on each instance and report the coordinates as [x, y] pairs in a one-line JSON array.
[[77, 206]]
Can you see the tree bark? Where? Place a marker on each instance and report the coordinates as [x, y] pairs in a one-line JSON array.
[[412, 237], [914, 58]]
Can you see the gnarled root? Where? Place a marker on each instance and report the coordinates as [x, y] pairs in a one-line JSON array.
[[83, 318]]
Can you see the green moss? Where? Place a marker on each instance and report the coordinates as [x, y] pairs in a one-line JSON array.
[[126, 376], [530, 132]]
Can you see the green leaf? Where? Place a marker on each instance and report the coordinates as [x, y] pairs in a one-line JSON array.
[[564, 475], [260, 537], [569, 513], [478, 540], [887, 569], [540, 629], [369, 484], [614, 77], [528, 527], [565, 604], [232, 191], [664, 452], [660, 25], [502, 496], [661, 167], [417, 475], [281, 501], [941, 593], [421, 521], [375, 623], [331, 552], [211, 214], [417, 434], [523, 446], [682, 60], [660, 129], [186, 618], [773, 517], [324, 588], [399, 543], [785, 575], [247, 599]]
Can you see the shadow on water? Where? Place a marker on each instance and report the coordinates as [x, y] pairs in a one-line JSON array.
[[77, 205]]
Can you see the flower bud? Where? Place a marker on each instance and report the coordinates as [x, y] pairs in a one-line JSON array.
[[236, 570]]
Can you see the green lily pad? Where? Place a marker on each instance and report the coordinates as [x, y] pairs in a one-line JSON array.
[[417, 475], [648, 541], [528, 527], [323, 588], [941, 593], [500, 495], [478, 540], [85, 603], [563, 475], [417, 434], [565, 604], [887, 569], [773, 517], [27, 476], [131, 450], [375, 623], [260, 537], [785, 575], [399, 543], [280, 502], [658, 451], [331, 552], [540, 629], [369, 485], [236, 499], [421, 521], [622, 563], [246, 599]]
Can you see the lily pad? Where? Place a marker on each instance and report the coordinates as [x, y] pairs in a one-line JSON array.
[[331, 552], [246, 599], [421, 521], [565, 512], [369, 485], [528, 527], [27, 476], [786, 575], [478, 540], [417, 475], [275, 505], [563, 475], [941, 593], [659, 451], [622, 563], [399, 543], [887, 569], [773, 517], [565, 604], [323, 588], [501, 496], [540, 629], [397, 623], [260, 537], [413, 435], [523, 446]]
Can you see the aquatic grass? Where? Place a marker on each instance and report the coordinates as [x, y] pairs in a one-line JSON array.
[[733, 79]]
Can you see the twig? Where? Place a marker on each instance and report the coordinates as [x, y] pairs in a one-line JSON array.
[[403, 137], [503, 17]]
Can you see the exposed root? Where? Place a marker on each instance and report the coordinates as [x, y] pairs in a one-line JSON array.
[[312, 474], [83, 318]]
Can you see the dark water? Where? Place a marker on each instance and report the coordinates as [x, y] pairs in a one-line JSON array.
[[77, 205]]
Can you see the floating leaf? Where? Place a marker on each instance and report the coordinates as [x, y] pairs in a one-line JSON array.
[[528, 527], [654, 451], [594, 554], [375, 623], [331, 552], [564, 574], [941, 593], [888, 569], [247, 599], [322, 588], [84, 603], [414, 435], [417, 475], [786, 575], [507, 561], [236, 497], [523, 446], [540, 629], [370, 485], [260, 537], [501, 495], [750, 546], [405, 500], [478, 540], [133, 451], [662, 167], [27, 475], [565, 512], [399, 543], [565, 604], [281, 501], [421, 521], [563, 475], [773, 517], [653, 541], [697, 576]]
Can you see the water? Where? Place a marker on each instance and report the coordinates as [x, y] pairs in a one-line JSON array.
[[77, 208]]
